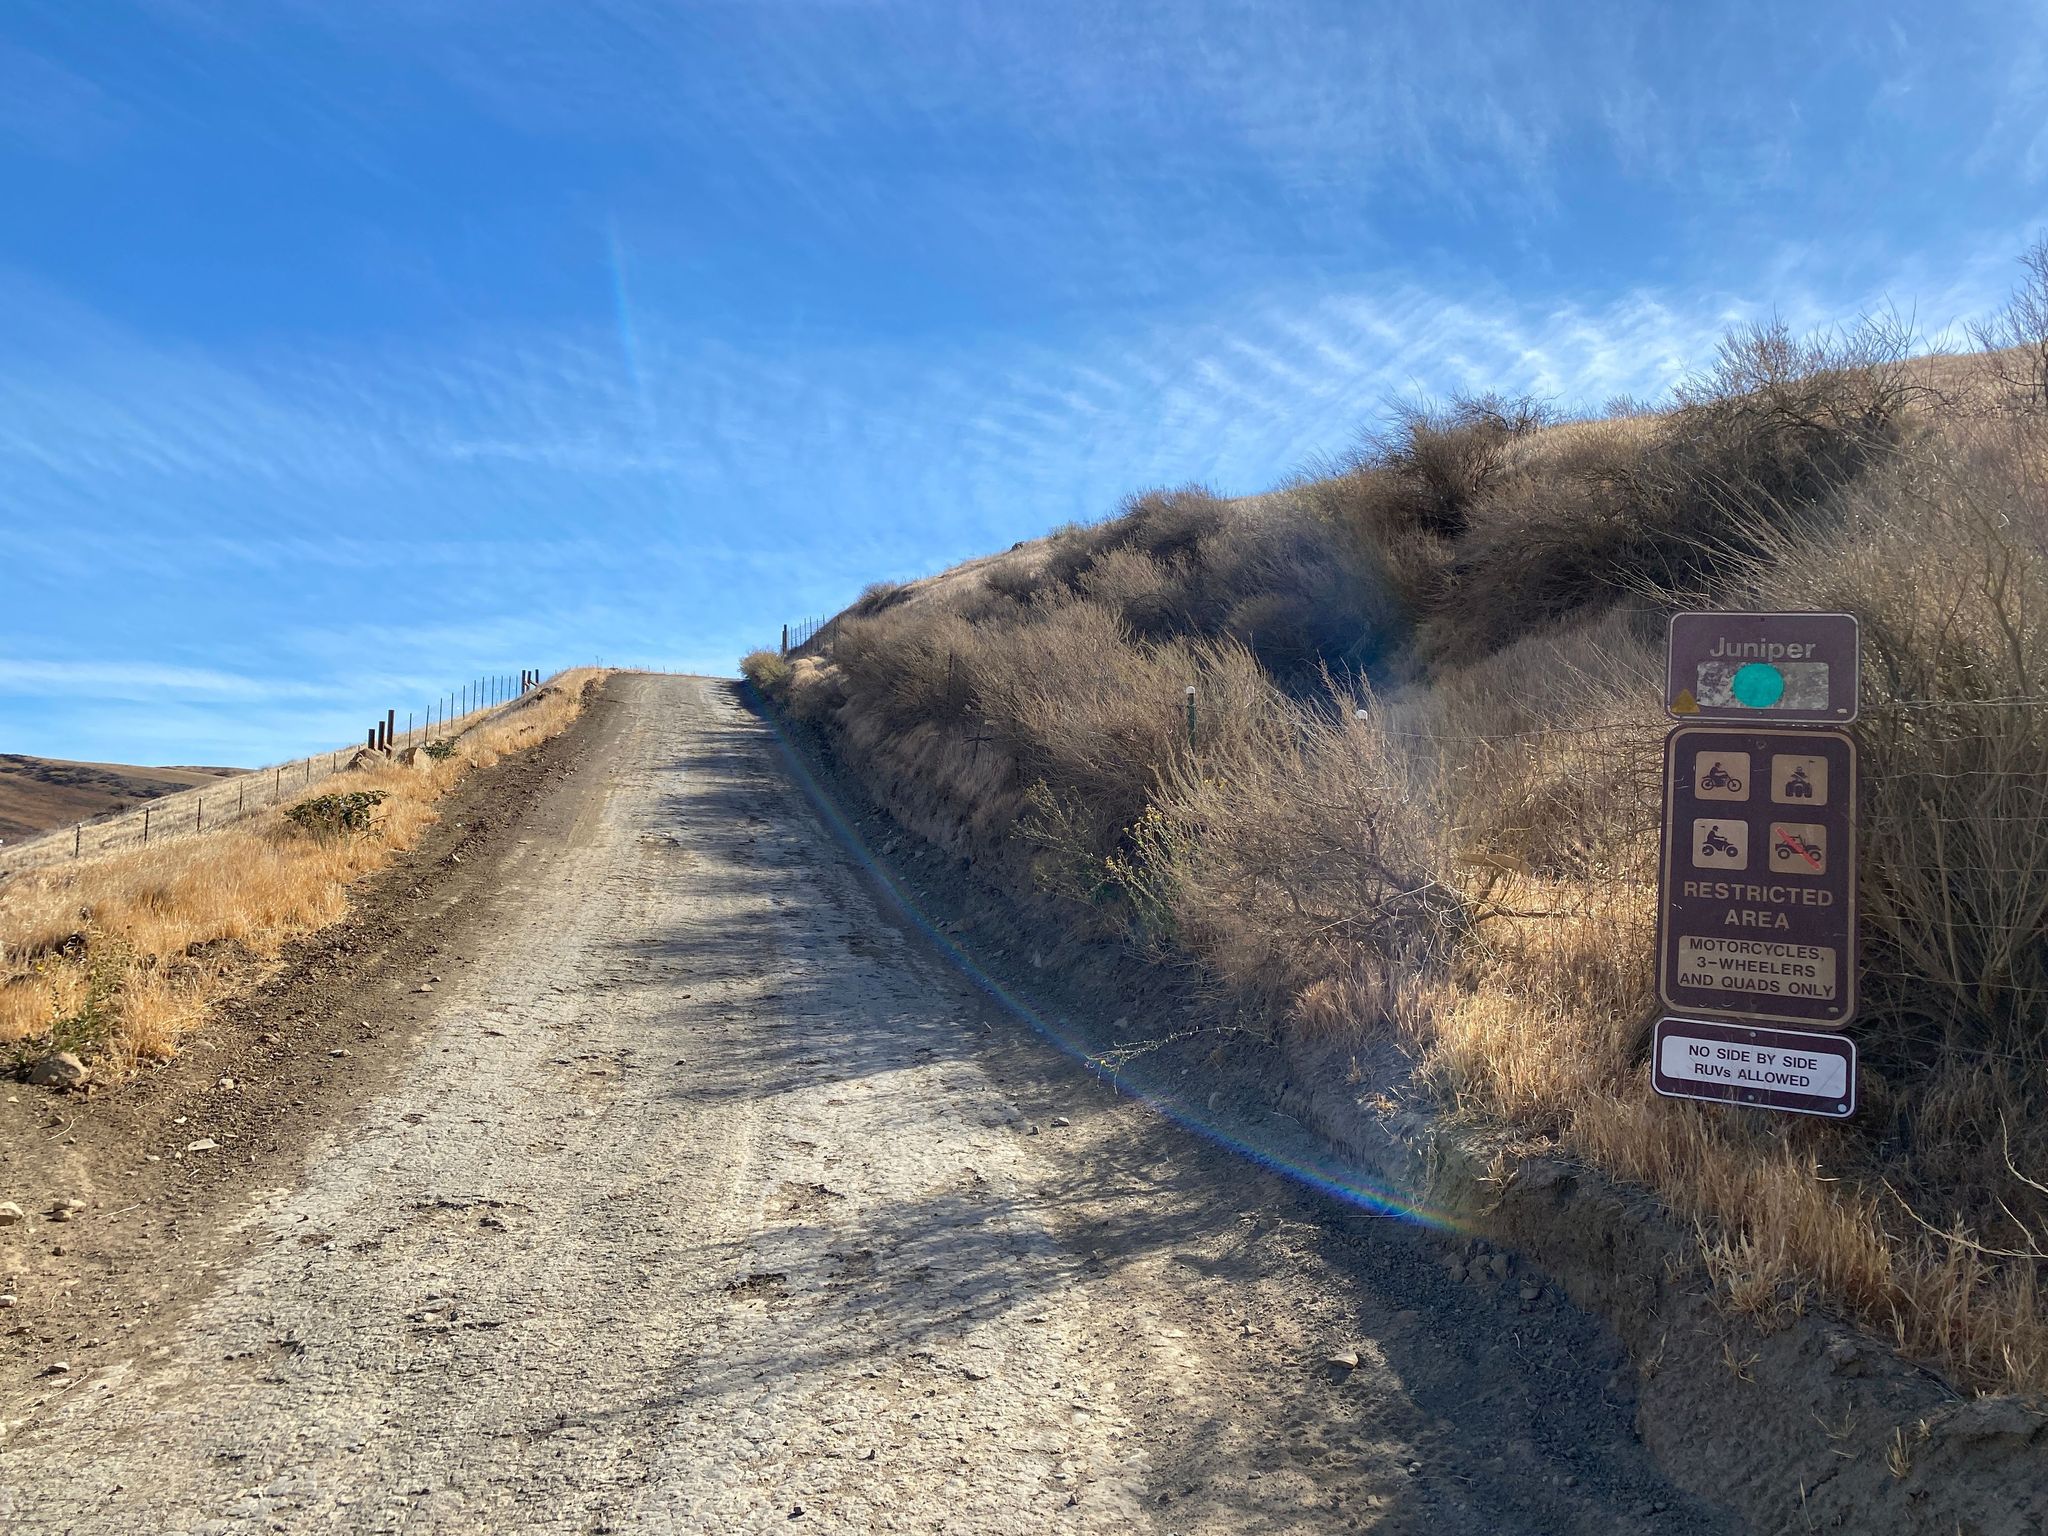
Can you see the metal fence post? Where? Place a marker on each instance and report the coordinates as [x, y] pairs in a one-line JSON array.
[[1191, 717], [145, 826]]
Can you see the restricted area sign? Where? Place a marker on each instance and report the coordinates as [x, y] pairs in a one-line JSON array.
[[1790, 1069], [1763, 667], [1756, 914]]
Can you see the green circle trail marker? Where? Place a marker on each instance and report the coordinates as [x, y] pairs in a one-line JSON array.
[[1757, 685]]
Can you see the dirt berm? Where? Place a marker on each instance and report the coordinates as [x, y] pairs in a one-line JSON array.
[[1801, 1425]]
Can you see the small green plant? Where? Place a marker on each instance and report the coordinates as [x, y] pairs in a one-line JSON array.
[[348, 814], [86, 1030], [439, 751]]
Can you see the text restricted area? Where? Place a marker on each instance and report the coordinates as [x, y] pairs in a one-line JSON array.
[[1795, 1070]]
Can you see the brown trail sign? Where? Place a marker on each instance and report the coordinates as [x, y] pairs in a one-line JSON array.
[[1756, 914], [1770, 668]]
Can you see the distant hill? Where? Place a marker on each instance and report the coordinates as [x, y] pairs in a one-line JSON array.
[[40, 793]]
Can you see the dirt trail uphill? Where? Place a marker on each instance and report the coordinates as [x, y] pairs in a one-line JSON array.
[[703, 1195]]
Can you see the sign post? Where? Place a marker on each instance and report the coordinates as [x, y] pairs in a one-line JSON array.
[[1756, 910]]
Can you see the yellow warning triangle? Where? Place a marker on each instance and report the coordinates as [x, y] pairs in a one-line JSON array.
[[1685, 703]]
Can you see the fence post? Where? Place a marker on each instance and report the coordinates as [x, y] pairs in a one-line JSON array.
[[1191, 717], [77, 835], [145, 826], [277, 787], [390, 727], [199, 816]]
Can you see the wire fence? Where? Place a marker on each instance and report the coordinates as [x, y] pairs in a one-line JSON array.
[[797, 637], [235, 797]]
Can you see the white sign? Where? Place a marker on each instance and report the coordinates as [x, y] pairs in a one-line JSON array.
[[1797, 1070]]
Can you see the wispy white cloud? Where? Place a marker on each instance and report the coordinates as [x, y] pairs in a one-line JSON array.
[[140, 679]]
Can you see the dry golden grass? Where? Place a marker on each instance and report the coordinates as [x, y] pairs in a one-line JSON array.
[[121, 955]]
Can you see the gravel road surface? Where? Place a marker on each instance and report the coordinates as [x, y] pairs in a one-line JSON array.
[[708, 1197]]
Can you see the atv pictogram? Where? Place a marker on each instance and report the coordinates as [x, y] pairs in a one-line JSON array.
[[1791, 844]]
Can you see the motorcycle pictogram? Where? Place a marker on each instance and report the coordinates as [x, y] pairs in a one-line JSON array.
[[1718, 777], [1715, 845]]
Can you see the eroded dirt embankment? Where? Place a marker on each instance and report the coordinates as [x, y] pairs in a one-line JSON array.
[[701, 1191]]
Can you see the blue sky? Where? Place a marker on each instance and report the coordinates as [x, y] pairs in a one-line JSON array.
[[349, 348]]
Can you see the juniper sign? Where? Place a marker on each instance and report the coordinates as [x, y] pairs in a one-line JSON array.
[[1756, 914], [1767, 668]]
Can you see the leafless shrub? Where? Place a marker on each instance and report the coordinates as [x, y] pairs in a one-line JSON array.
[[1672, 510], [1134, 585], [2015, 340], [766, 670], [878, 596], [1097, 714], [1438, 461], [1014, 579], [1297, 863], [910, 665]]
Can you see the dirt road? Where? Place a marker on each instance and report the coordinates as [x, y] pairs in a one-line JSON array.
[[706, 1197]]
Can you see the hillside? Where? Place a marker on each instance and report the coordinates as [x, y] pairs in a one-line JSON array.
[[1415, 797], [38, 794]]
